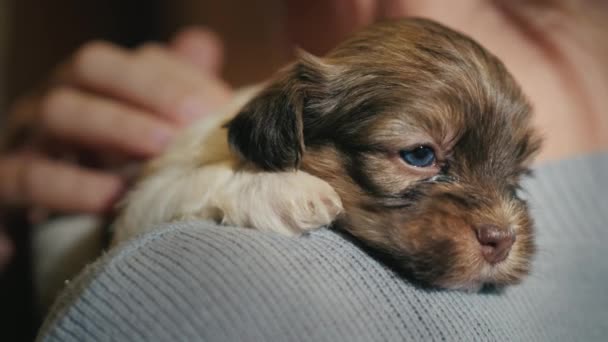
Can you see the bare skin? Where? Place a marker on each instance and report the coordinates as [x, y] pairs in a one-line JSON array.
[[107, 99]]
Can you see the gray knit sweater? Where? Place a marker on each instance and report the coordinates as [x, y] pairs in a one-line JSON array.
[[195, 281]]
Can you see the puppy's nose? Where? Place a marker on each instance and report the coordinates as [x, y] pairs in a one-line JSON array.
[[495, 242]]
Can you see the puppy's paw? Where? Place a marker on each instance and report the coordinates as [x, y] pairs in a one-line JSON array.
[[306, 202], [284, 202]]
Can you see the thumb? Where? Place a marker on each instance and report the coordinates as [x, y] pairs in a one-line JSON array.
[[200, 47]]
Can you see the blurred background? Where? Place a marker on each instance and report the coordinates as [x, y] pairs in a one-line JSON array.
[[37, 35]]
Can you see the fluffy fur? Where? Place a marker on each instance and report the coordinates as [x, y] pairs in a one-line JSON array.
[[321, 142]]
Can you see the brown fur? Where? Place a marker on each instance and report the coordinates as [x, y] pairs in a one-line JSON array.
[[394, 86]]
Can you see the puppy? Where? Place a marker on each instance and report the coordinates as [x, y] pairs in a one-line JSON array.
[[409, 136]]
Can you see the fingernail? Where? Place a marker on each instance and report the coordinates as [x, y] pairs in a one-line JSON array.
[[191, 109]]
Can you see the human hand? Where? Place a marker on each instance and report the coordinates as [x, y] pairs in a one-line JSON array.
[[104, 108]]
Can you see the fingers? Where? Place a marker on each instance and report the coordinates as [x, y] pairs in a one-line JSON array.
[[112, 99], [200, 47], [35, 181], [80, 117], [151, 78]]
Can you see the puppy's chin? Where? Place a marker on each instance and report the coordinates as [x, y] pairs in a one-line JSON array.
[[463, 268], [454, 262], [434, 243]]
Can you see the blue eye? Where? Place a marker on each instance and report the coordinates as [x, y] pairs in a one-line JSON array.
[[421, 156]]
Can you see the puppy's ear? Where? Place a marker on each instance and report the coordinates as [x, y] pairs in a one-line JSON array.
[[269, 130]]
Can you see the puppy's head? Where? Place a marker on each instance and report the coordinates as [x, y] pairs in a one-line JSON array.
[[423, 134]]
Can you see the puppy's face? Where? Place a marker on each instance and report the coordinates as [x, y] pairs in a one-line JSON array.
[[423, 134]]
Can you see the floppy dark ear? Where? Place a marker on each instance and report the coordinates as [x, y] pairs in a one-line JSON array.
[[269, 130]]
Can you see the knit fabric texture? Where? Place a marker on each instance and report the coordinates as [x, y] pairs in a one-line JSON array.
[[196, 281]]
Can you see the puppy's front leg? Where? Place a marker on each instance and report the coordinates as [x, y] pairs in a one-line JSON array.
[[283, 202]]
